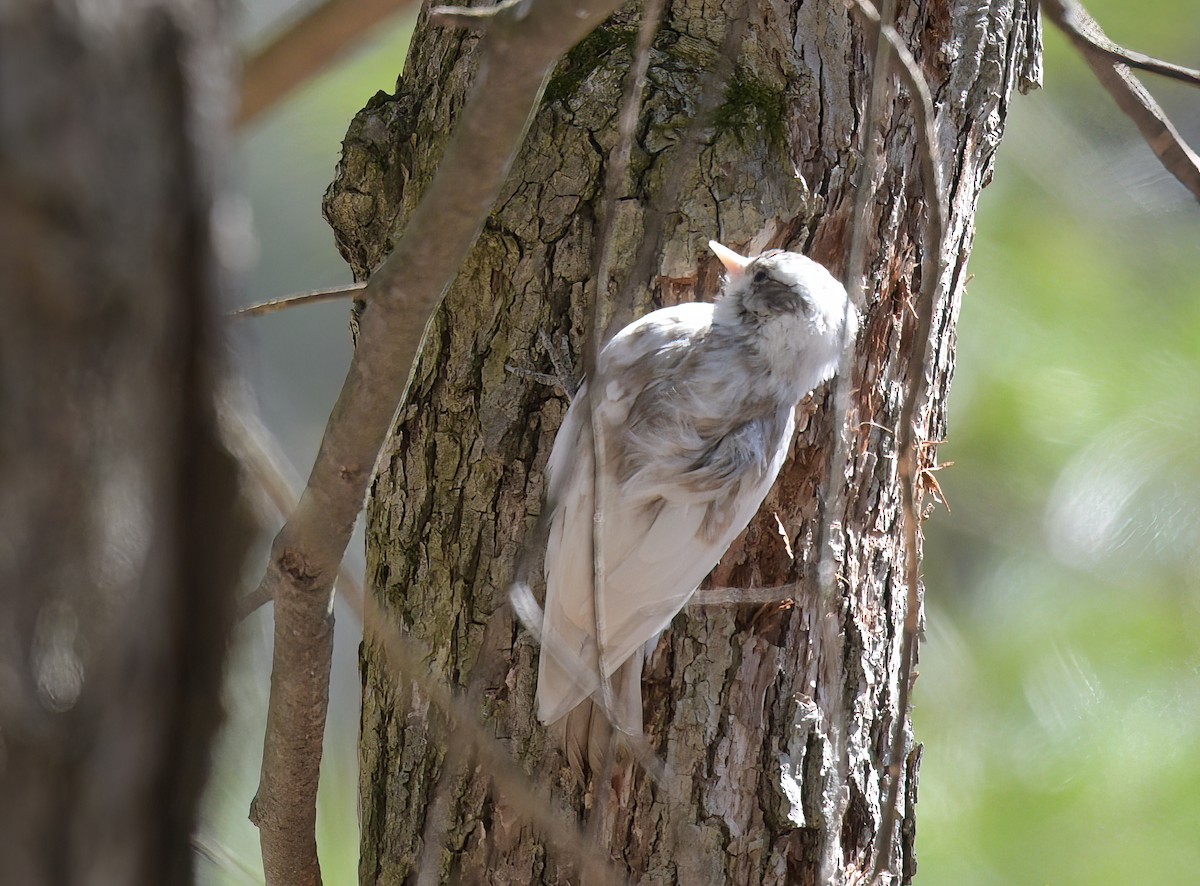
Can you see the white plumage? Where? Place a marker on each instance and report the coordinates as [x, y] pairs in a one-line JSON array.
[[697, 411]]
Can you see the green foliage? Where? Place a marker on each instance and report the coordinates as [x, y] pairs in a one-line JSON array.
[[1059, 700]]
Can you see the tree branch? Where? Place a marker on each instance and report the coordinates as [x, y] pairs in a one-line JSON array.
[[313, 296], [305, 48], [518, 55], [616, 176], [1109, 63], [256, 449], [831, 601], [259, 453], [470, 18], [743, 596], [906, 432], [1084, 31]]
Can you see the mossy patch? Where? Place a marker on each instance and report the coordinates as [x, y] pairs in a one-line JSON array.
[[751, 105], [585, 57]]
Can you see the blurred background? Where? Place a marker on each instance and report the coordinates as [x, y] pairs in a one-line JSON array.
[[1059, 690]]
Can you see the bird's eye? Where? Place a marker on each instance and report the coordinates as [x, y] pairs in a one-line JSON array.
[[760, 277]]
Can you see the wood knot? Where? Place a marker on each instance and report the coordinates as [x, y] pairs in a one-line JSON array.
[[296, 567]]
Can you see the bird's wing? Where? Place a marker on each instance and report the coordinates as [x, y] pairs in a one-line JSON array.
[[656, 548], [656, 554], [660, 553]]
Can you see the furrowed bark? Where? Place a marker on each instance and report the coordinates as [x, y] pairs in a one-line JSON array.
[[737, 697]]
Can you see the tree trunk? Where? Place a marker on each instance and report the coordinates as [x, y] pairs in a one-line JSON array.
[[776, 741], [120, 539]]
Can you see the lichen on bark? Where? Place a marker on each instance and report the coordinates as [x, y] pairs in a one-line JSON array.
[[740, 700]]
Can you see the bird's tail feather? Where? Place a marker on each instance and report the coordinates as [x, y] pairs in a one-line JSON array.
[[587, 734]]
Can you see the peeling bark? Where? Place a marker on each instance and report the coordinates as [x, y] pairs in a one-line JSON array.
[[742, 701]]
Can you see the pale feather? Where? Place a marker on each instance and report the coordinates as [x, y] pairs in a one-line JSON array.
[[697, 410], [655, 551]]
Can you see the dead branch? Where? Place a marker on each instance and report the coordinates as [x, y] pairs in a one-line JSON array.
[[832, 605], [906, 432], [470, 18], [1083, 30], [305, 48], [743, 596], [1111, 64], [259, 453], [615, 182], [518, 55], [313, 296]]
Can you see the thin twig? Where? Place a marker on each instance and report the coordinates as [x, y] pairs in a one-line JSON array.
[[260, 454], [615, 183], [222, 857], [906, 431], [744, 596], [1083, 30], [832, 603], [249, 603], [665, 204], [313, 296], [518, 54], [1110, 68], [305, 48], [471, 18]]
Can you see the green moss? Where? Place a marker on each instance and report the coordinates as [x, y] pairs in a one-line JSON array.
[[751, 105], [585, 57]]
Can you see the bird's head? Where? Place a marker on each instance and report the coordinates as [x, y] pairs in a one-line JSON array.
[[782, 288], [789, 308]]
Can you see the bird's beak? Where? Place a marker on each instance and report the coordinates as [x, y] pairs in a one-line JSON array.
[[734, 264]]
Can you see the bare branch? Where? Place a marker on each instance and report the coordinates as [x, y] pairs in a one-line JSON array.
[[313, 296], [518, 55], [1083, 30], [832, 604], [251, 602], [471, 18], [742, 596], [259, 453], [221, 856], [906, 432], [1109, 63], [305, 48], [614, 185]]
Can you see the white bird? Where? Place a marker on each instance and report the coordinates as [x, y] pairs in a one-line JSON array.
[[697, 410]]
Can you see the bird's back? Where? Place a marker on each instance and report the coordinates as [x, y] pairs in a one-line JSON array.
[[683, 475]]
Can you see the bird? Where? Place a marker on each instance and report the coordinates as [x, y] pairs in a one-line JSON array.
[[696, 405]]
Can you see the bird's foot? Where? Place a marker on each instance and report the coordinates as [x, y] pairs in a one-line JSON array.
[[560, 358]]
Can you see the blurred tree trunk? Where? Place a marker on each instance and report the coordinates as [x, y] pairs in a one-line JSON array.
[[120, 539], [777, 742]]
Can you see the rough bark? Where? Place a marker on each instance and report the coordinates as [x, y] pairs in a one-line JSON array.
[[777, 755], [120, 538]]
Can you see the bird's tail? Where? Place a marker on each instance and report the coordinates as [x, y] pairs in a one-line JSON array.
[[587, 735]]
